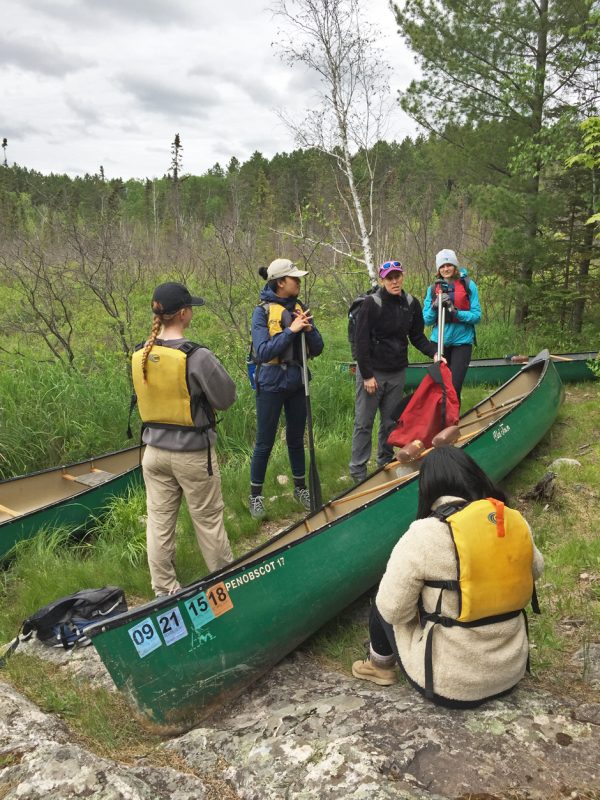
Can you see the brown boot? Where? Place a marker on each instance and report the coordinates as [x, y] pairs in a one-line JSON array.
[[368, 671]]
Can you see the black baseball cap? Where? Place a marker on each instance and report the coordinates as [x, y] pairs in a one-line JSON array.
[[170, 297]]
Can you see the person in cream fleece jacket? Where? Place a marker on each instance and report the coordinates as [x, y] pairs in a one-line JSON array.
[[470, 664]]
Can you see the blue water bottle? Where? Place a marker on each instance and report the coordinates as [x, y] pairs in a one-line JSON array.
[[251, 367]]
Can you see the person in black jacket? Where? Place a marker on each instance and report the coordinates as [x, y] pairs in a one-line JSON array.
[[386, 322]]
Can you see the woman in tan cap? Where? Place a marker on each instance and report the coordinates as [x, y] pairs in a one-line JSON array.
[[277, 323]]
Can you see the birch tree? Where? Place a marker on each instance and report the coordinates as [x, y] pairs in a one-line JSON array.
[[331, 39]]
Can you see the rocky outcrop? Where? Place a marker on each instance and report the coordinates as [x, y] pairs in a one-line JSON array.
[[304, 732], [38, 762], [307, 733]]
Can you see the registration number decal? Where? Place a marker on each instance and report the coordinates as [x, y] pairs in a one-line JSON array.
[[145, 637], [172, 626]]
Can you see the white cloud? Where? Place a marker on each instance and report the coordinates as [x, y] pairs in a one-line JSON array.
[[110, 82]]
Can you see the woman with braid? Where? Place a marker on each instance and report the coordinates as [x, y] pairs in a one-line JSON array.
[[178, 385]]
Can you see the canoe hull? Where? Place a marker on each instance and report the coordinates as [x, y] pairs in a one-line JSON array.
[[279, 598], [49, 499]]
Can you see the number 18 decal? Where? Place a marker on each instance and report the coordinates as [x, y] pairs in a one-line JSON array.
[[145, 637], [172, 625], [219, 599]]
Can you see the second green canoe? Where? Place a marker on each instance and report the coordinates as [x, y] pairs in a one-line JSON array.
[[571, 367]]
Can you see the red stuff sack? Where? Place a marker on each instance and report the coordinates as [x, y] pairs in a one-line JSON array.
[[433, 407]]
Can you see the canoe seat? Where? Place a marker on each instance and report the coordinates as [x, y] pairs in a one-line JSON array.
[[94, 478]]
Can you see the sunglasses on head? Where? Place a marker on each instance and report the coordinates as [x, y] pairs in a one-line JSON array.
[[389, 264]]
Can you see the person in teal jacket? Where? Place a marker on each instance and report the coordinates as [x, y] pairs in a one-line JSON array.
[[463, 312]]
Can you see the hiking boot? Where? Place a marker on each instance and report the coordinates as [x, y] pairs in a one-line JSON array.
[[367, 671], [303, 497], [256, 506]]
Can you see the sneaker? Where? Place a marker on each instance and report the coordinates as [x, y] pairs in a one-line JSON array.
[[256, 506], [367, 671], [303, 497]]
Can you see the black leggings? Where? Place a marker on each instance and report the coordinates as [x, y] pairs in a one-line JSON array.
[[458, 357], [383, 643]]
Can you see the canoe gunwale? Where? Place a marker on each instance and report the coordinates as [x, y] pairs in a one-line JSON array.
[[256, 556], [62, 467]]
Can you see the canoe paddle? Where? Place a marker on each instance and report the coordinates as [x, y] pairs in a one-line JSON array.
[[314, 484]]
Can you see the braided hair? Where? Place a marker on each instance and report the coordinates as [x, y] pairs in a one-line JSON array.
[[158, 321]]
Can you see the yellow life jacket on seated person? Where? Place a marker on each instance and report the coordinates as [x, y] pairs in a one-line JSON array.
[[494, 569], [164, 399]]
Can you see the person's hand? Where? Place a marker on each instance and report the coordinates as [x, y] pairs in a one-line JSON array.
[[302, 321], [370, 385], [436, 359], [448, 304]]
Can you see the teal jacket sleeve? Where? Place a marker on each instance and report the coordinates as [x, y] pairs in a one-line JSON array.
[[429, 313]]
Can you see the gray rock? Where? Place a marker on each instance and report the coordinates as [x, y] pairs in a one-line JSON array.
[[564, 462], [588, 659], [80, 662], [38, 763], [303, 732]]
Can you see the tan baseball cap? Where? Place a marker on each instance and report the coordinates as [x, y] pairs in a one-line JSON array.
[[282, 268]]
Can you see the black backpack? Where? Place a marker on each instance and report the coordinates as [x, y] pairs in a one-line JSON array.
[[61, 623], [354, 311]]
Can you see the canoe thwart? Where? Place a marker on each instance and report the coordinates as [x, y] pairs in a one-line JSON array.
[[9, 511], [94, 478], [560, 358], [381, 487]]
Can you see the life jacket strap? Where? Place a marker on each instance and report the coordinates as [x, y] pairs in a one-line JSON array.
[[437, 618]]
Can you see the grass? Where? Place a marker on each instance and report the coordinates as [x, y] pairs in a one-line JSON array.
[[91, 713], [46, 420]]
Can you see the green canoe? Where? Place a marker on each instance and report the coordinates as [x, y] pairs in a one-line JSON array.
[[179, 657], [67, 495], [571, 367]]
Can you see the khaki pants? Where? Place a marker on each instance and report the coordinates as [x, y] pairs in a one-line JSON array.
[[169, 474]]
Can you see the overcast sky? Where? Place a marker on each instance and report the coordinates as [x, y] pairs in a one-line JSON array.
[[90, 82]]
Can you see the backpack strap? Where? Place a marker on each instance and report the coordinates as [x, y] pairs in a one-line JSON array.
[[133, 401]]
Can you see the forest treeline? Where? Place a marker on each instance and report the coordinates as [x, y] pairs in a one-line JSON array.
[[69, 244]]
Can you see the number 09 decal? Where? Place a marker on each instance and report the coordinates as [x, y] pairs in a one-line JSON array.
[[145, 637]]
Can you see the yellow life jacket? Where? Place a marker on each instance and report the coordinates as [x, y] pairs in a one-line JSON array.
[[276, 324], [494, 570], [164, 400], [494, 552]]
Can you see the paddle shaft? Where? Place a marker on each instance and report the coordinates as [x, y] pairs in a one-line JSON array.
[[441, 320], [314, 484]]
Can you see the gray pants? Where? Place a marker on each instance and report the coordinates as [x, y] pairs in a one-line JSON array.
[[386, 399]]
